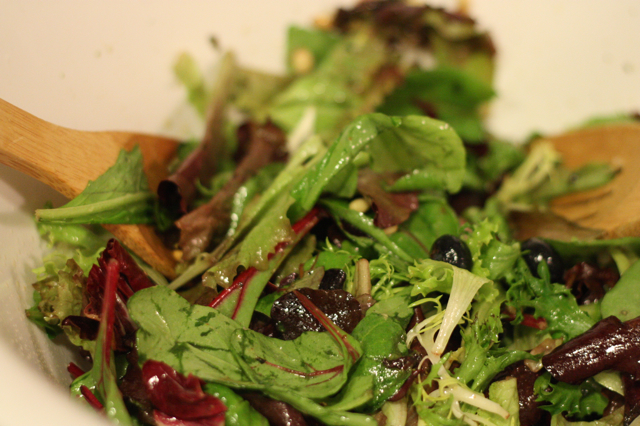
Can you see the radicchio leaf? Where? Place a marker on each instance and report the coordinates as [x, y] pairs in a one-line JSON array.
[[265, 144], [130, 279], [180, 400]]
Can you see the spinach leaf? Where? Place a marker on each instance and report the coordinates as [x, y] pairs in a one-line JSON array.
[[383, 339], [453, 94], [239, 412], [120, 195], [313, 365], [336, 89], [411, 144], [190, 339]]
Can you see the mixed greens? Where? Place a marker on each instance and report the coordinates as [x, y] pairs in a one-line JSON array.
[[346, 254]]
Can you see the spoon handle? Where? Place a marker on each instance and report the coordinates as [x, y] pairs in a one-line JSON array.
[[62, 158], [67, 159]]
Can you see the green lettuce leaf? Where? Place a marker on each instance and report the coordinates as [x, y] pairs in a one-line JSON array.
[[120, 195], [553, 302], [578, 401], [505, 393], [60, 295], [616, 418], [623, 300]]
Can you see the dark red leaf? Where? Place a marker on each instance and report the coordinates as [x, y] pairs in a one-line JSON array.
[[265, 145], [132, 276], [293, 318], [391, 208], [179, 398], [178, 190], [588, 283]]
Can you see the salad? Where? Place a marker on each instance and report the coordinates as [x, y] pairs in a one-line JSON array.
[[346, 255]]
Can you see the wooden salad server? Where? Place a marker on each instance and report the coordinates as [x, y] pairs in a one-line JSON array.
[[610, 211], [66, 160]]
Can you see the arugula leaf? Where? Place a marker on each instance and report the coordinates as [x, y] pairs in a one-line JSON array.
[[120, 195], [574, 400]]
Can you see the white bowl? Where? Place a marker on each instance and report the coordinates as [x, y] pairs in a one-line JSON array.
[[107, 65]]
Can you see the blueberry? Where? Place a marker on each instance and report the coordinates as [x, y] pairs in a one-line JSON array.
[[535, 251], [452, 250]]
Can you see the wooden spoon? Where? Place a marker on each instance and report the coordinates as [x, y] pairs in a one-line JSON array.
[[611, 211], [67, 160]]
